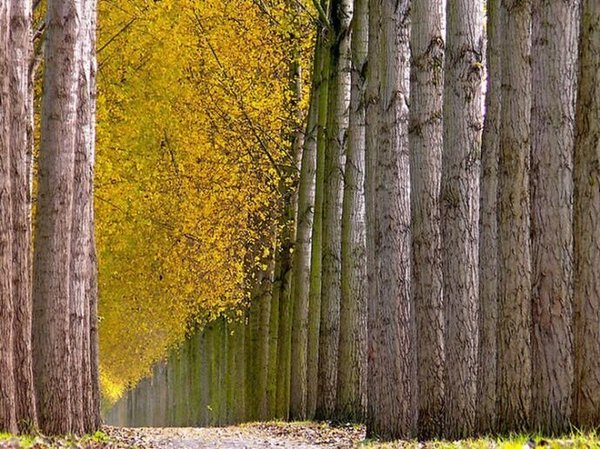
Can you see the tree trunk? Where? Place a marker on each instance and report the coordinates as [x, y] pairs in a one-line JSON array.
[[460, 211], [92, 417], [7, 378], [314, 301], [337, 129], [514, 266], [426, 143], [587, 223], [51, 278], [554, 58], [302, 252], [262, 350], [488, 227], [352, 365], [21, 149], [392, 372], [81, 269]]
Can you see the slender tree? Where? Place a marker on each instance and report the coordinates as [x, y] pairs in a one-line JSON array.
[[302, 250], [460, 210], [488, 232], [337, 129], [314, 308], [351, 398], [7, 379], [426, 142], [553, 58], [81, 239], [392, 371], [20, 55], [514, 265], [587, 223]]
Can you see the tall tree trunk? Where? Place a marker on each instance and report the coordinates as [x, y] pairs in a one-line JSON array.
[[488, 227], [81, 264], [284, 338], [514, 265], [352, 365], [587, 223], [426, 143], [273, 351], [392, 372], [302, 251], [337, 129], [554, 57], [7, 378], [20, 55], [314, 301], [372, 126], [51, 278], [92, 418], [460, 211], [262, 350]]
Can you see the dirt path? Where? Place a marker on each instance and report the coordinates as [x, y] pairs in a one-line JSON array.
[[250, 436]]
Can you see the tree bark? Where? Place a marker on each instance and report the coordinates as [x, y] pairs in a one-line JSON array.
[[302, 252], [587, 223], [314, 301], [20, 55], [392, 372], [426, 143], [460, 211], [554, 58], [514, 265], [7, 378], [337, 129], [81, 269], [52, 353], [488, 227], [352, 365]]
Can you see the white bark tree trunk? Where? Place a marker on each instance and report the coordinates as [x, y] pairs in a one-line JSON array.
[[392, 369]]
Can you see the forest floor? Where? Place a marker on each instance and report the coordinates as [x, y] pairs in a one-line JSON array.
[[273, 435]]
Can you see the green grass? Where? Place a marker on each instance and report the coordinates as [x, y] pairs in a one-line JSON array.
[[28, 441], [25, 441], [575, 440]]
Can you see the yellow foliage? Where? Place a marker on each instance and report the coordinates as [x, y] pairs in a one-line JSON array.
[[193, 128]]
